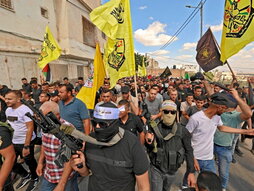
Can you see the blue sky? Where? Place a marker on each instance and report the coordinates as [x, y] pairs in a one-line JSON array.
[[156, 21]]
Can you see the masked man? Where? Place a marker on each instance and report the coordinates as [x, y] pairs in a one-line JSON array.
[[117, 167], [168, 149]]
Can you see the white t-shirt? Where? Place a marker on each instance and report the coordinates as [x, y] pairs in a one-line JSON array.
[[17, 119], [203, 129], [185, 106]]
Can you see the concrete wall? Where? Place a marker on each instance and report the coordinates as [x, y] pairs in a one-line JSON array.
[[176, 73]]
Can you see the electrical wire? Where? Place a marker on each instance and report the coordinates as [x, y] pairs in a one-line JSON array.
[[183, 26], [180, 60]]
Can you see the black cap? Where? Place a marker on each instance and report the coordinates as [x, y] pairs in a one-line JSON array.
[[125, 89], [221, 99], [55, 93], [221, 86]]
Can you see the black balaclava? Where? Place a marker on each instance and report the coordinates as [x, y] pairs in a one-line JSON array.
[[107, 115]]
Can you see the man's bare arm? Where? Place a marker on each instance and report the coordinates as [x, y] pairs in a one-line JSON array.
[[143, 182], [29, 133], [227, 129], [246, 111], [9, 157], [86, 124]]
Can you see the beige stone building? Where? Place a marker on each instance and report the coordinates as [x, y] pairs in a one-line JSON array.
[[154, 69], [22, 27]]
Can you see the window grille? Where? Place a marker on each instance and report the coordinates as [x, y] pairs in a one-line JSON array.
[[7, 4]]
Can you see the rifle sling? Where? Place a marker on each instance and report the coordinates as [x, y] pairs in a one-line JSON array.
[[80, 135], [169, 136]]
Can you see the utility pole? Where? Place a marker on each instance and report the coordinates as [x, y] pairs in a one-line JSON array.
[[201, 20]]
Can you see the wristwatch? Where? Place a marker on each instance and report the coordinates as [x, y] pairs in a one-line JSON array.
[[26, 146]]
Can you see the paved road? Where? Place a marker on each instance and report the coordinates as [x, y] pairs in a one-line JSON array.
[[241, 173]]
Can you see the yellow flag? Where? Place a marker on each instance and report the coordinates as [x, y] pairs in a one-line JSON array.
[[142, 69], [87, 93], [114, 19], [50, 49], [238, 27]]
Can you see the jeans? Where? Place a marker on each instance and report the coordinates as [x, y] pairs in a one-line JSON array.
[[159, 180], [204, 165], [234, 143], [29, 160], [71, 185], [207, 165], [224, 157]]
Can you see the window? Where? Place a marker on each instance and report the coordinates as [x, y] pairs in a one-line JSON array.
[[7, 4], [80, 71], [88, 32], [44, 12]]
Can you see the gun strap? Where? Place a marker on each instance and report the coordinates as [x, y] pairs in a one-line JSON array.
[[108, 161], [78, 134], [169, 136]]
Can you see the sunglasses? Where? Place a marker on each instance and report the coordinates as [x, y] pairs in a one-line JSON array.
[[173, 112], [102, 124]]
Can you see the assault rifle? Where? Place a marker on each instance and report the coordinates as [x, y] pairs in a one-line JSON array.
[[50, 124], [147, 115]]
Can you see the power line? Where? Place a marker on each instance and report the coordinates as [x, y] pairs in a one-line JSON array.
[[180, 60], [183, 26]]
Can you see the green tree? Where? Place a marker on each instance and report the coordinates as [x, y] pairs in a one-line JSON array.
[[139, 60]]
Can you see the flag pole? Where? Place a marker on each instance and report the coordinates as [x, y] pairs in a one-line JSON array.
[[233, 74], [135, 82]]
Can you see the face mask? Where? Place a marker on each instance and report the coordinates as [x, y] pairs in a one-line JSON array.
[[106, 132], [168, 119]]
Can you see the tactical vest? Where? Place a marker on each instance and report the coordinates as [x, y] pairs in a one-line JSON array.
[[6, 125], [168, 154]]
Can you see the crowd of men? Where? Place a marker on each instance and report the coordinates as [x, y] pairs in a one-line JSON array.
[[141, 134]]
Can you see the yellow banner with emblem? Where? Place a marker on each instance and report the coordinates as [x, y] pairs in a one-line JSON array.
[[50, 49], [238, 27], [114, 19]]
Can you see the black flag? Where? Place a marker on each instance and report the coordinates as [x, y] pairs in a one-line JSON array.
[[166, 73], [208, 55]]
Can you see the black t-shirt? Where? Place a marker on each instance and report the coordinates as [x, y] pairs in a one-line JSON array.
[[35, 94], [5, 137], [133, 124], [108, 177], [27, 87]]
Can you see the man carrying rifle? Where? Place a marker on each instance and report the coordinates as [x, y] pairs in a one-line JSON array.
[[168, 148], [54, 178], [116, 167]]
